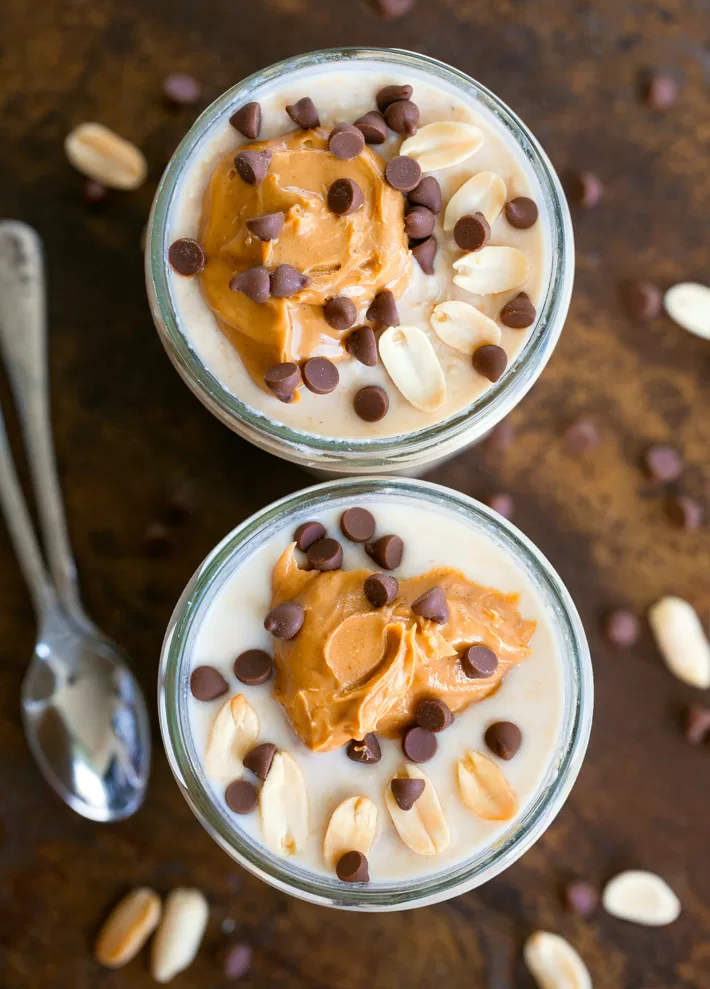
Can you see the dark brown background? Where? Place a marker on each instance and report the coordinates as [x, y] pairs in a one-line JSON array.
[[126, 426]]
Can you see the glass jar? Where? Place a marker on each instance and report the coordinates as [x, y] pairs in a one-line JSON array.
[[287, 875]]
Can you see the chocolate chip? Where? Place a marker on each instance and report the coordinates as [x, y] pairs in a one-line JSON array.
[[521, 213], [403, 173], [503, 738], [418, 222], [158, 540], [258, 760], [371, 403], [357, 524], [181, 503], [254, 283], [241, 796], [253, 667], [390, 10], [697, 724], [380, 589], [581, 898], [345, 141], [432, 605], [490, 361], [352, 868], [472, 232], [407, 791], [427, 193], [433, 715], [345, 197], [373, 127], [266, 227], [287, 281], [207, 683], [247, 120], [181, 89], [502, 436], [366, 752], [402, 117], [685, 512], [419, 745], [325, 554], [320, 375], [186, 256], [362, 345], [386, 551], [390, 94], [502, 503], [383, 309], [340, 312], [659, 90], [285, 621], [304, 113], [252, 166], [663, 463], [237, 960], [581, 436], [283, 380], [479, 662], [640, 299], [622, 628], [585, 189], [95, 193], [425, 254], [519, 313], [307, 533]]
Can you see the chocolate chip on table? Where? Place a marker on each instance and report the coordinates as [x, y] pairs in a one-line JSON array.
[[425, 252], [697, 724], [362, 345], [660, 91], [207, 683], [247, 120], [581, 897], [380, 589], [181, 89], [258, 760], [340, 312], [255, 283], [419, 745], [501, 437], [584, 188], [390, 94], [418, 222], [266, 227], [503, 738], [357, 524], [402, 117], [346, 141], [325, 554], [241, 796], [285, 621], [427, 193], [345, 197], [472, 232], [502, 503], [581, 435], [663, 463], [521, 212], [685, 512], [622, 628], [252, 166], [303, 113], [283, 380], [158, 540], [352, 868], [479, 662], [390, 10], [433, 715], [371, 403], [253, 667], [490, 361], [287, 281], [403, 173], [641, 299], [95, 193], [186, 256], [320, 375], [307, 533], [519, 313], [367, 751], [181, 503], [373, 127], [237, 960], [407, 791], [387, 551], [432, 605], [383, 309]]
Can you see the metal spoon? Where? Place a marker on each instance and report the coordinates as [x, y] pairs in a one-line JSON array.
[[84, 714]]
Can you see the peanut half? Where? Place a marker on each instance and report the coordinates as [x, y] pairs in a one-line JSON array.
[[234, 732], [554, 963], [484, 789], [128, 927], [410, 361], [443, 144], [464, 327], [491, 270], [641, 897], [483, 193], [98, 153], [682, 641], [352, 828], [688, 305], [423, 828], [180, 934], [283, 805]]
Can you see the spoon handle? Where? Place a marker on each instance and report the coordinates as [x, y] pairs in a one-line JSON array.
[[23, 340]]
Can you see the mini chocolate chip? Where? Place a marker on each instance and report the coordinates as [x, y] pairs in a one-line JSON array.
[[186, 256], [419, 745], [158, 540], [402, 117], [287, 281], [502, 436], [521, 213], [371, 403], [307, 533], [418, 222], [266, 227], [403, 173], [340, 312], [237, 960], [427, 193], [585, 189], [581, 436], [519, 313], [325, 554], [383, 309], [181, 502], [503, 738], [259, 759], [285, 621], [581, 898], [320, 375], [253, 667], [390, 94], [345, 141], [433, 715], [181, 89], [391, 10], [357, 524], [380, 589], [95, 193], [663, 463], [479, 662], [304, 113], [472, 232], [659, 90], [283, 380], [254, 283], [697, 724], [207, 683], [622, 628], [352, 868], [425, 254], [432, 605], [502, 503], [362, 345], [685, 512], [241, 796], [366, 752], [252, 166], [406, 791], [640, 299], [345, 197], [386, 551], [490, 361], [247, 120], [373, 127]]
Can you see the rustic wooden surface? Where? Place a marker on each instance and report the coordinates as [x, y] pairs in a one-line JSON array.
[[126, 426]]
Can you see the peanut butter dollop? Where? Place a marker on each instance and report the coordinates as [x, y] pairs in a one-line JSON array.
[[356, 255], [354, 669]]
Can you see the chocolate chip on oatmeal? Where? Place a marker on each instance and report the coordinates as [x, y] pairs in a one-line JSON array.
[[425, 252], [390, 94], [663, 463], [697, 724], [581, 435], [266, 227], [519, 313], [254, 283], [344, 197], [287, 281], [253, 667], [502, 503], [521, 212], [252, 166], [407, 791], [247, 120], [581, 897], [427, 193], [181, 89], [366, 752], [584, 188], [402, 117], [237, 960], [258, 760], [373, 127], [352, 867], [403, 173], [472, 232], [307, 533], [490, 361], [418, 222], [640, 299], [419, 745], [362, 345], [345, 141], [186, 256], [432, 605], [503, 738], [660, 91], [283, 380], [241, 796], [207, 683], [479, 662], [340, 312], [387, 551], [433, 715], [685, 512], [285, 621], [325, 554], [622, 628], [303, 113], [320, 375], [383, 309], [371, 403], [380, 589], [357, 524]]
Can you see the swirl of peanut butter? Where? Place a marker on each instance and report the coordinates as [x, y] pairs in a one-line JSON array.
[[356, 255], [354, 669]]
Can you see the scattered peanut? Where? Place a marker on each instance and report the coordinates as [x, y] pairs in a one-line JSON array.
[[128, 927]]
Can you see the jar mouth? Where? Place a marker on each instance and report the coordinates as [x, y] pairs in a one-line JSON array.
[[422, 890], [474, 420]]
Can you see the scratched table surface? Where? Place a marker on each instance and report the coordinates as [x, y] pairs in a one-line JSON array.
[[127, 429]]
